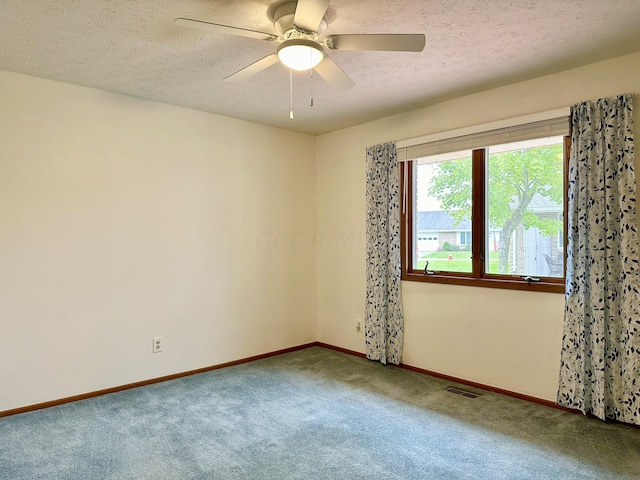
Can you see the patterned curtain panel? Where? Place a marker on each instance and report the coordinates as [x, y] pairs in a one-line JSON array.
[[383, 311], [600, 367]]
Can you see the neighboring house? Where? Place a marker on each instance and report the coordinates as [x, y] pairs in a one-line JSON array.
[[528, 246], [437, 227]]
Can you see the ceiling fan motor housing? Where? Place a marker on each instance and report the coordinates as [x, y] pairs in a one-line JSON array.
[[283, 22]]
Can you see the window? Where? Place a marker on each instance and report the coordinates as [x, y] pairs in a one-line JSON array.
[[464, 238], [497, 212]]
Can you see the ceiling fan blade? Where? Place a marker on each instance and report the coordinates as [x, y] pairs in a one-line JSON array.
[[224, 29], [381, 42], [309, 14], [333, 74], [252, 69]]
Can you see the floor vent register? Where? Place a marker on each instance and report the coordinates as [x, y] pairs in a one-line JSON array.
[[464, 393]]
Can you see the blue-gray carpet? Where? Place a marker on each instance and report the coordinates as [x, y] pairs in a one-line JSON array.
[[311, 414]]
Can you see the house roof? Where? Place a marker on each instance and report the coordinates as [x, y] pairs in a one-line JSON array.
[[544, 204], [441, 221]]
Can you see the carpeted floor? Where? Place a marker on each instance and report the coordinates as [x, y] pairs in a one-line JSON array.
[[311, 414]]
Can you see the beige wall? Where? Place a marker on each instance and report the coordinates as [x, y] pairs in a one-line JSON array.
[[507, 339], [122, 219]]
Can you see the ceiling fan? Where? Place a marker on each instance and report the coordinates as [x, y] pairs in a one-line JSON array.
[[300, 25]]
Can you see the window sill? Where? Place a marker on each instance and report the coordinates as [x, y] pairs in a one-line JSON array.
[[504, 283]]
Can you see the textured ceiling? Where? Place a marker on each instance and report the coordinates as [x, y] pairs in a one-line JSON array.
[[133, 48]]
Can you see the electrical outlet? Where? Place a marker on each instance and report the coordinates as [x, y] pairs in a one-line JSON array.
[[157, 344], [358, 324]]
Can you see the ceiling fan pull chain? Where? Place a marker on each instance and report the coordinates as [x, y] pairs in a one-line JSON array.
[[311, 90], [291, 93]]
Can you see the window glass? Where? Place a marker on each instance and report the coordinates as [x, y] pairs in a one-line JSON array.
[[524, 189], [442, 220]]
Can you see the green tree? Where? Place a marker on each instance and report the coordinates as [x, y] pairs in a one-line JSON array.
[[514, 178]]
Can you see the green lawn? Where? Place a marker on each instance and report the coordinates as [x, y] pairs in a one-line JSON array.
[[461, 262]]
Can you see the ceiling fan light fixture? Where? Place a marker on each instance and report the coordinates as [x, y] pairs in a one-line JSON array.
[[300, 54]]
